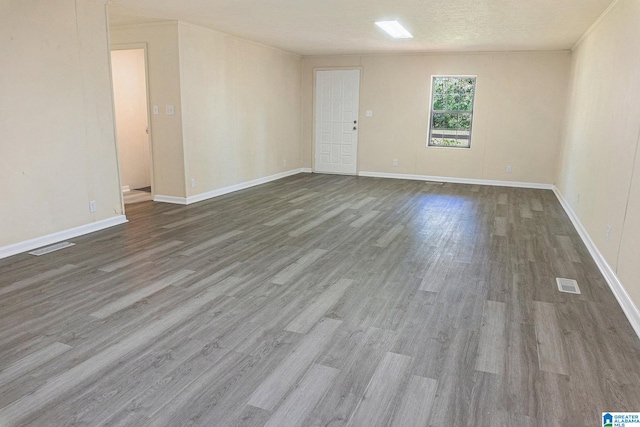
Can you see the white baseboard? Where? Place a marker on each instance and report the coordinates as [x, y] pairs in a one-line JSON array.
[[49, 239], [458, 180], [126, 188], [237, 187], [226, 190], [170, 199], [625, 301]]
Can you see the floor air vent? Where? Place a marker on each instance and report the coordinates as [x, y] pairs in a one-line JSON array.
[[434, 183], [568, 285], [51, 248]]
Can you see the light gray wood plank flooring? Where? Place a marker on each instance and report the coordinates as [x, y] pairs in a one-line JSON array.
[[318, 308], [281, 380], [377, 404], [301, 401], [492, 345], [319, 300], [416, 403], [552, 355]]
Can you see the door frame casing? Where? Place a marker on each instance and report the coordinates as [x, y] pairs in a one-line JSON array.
[[313, 113], [132, 46]]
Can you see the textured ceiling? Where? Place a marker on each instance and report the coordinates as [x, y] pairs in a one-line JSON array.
[[316, 27]]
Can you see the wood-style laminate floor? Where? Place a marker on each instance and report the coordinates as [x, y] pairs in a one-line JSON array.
[[319, 301]]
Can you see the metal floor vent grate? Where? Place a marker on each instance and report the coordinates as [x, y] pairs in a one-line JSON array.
[[434, 183], [569, 286], [51, 248]]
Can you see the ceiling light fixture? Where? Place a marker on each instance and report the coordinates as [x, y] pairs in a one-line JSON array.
[[394, 29]]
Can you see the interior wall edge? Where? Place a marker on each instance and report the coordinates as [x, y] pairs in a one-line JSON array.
[[595, 24], [49, 239], [617, 287], [243, 39], [113, 104], [183, 102]]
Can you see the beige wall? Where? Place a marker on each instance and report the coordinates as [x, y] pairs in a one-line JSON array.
[[57, 137], [130, 97], [601, 140], [520, 102], [241, 105], [164, 89]]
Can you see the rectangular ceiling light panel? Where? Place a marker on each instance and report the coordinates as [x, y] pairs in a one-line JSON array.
[[394, 29]]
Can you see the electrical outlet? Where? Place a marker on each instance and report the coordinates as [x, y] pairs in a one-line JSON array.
[[509, 169], [369, 113], [608, 234], [156, 110], [578, 198], [92, 206], [170, 110], [395, 162], [193, 182], [284, 162]]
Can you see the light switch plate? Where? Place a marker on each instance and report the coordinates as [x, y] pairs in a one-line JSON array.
[[170, 110], [156, 110]]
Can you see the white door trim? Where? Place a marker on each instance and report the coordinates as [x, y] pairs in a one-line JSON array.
[[313, 112]]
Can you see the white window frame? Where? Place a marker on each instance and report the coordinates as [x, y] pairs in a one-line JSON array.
[[431, 110]]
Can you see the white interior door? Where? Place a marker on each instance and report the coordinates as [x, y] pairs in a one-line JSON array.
[[336, 139]]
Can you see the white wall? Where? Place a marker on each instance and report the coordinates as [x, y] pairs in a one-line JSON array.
[[600, 144], [241, 109], [164, 89], [519, 108], [130, 97], [56, 118], [237, 104]]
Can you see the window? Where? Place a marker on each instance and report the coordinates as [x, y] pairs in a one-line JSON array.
[[451, 111]]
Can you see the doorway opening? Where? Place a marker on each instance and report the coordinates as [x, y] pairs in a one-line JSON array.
[[129, 73]]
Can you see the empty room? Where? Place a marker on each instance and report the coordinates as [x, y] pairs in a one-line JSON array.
[[319, 213]]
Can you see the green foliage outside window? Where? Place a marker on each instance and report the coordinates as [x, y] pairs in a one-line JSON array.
[[452, 111]]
